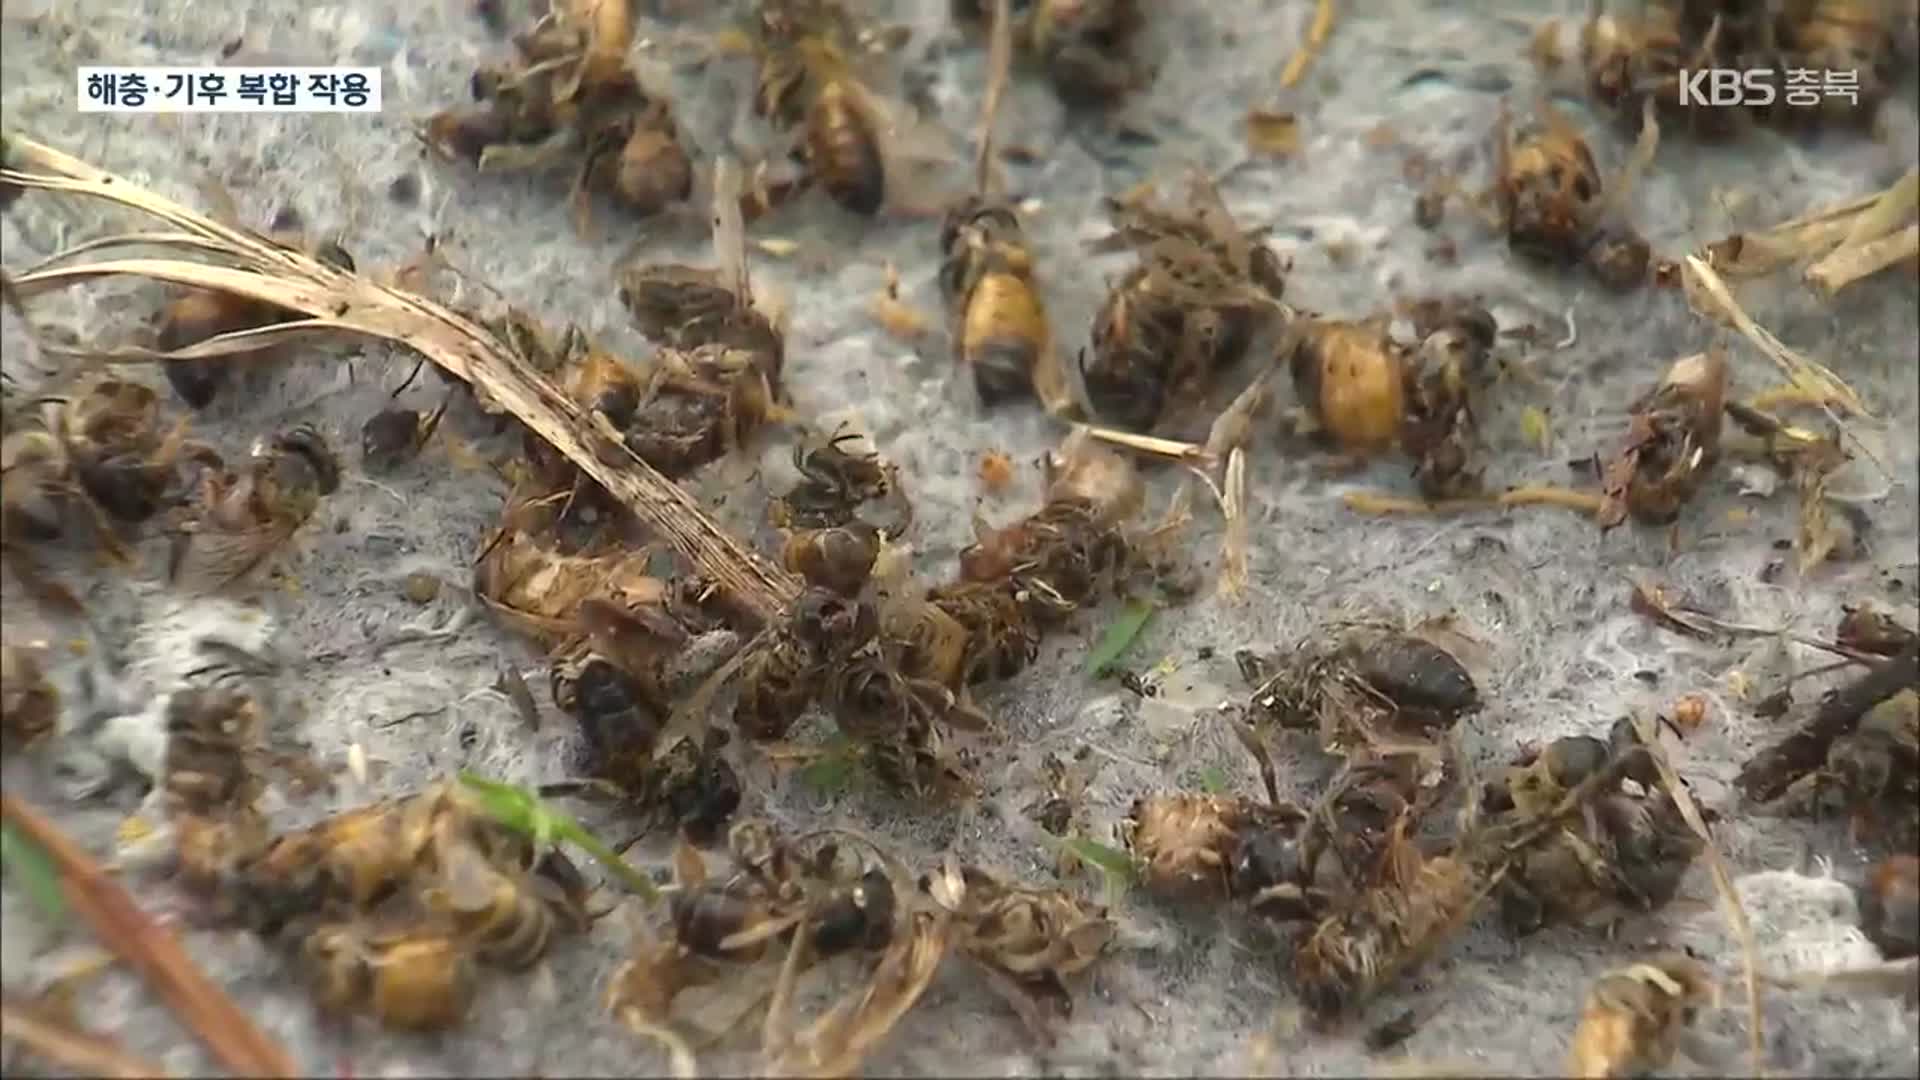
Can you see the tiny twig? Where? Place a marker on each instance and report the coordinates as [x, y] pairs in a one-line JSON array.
[[155, 953], [1317, 33], [1373, 502]]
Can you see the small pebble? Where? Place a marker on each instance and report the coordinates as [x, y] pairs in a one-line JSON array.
[[421, 587]]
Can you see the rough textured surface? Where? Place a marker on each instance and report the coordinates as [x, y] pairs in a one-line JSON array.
[[1542, 589]]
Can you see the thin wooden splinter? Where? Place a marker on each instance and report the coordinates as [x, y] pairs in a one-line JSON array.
[[232, 1037]]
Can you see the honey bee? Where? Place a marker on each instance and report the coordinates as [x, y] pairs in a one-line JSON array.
[[1085, 47], [834, 479], [839, 558], [1381, 932], [507, 913], [351, 860], [1202, 290], [1211, 847], [701, 405], [1368, 687], [104, 443], [413, 978], [1876, 770], [1353, 377], [637, 157], [570, 91], [682, 306], [782, 679], [1890, 906], [1673, 440], [807, 81], [1438, 429], [1001, 330], [620, 714], [244, 518], [1001, 638], [1554, 205], [211, 735], [394, 436], [599, 381], [199, 314], [29, 704], [1628, 853], [1634, 1017], [1037, 938], [1870, 630]]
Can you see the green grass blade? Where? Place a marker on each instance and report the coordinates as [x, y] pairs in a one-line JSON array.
[[524, 812], [1120, 634], [27, 864]]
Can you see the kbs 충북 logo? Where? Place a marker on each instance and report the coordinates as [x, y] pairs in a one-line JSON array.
[[1761, 87]]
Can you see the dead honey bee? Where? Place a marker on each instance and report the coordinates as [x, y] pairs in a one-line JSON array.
[[1628, 853], [599, 381], [1001, 332], [394, 435], [1370, 939], [1673, 440], [507, 909], [701, 405], [1876, 771], [1370, 686], [782, 679], [807, 81], [692, 786], [29, 704], [840, 558], [688, 306], [834, 480], [569, 92], [106, 444], [1202, 290], [199, 314], [620, 713], [1353, 378], [349, 861], [1034, 938], [409, 977], [1085, 47], [211, 737], [244, 518], [1870, 630], [1211, 847], [1635, 1017], [1890, 906], [1438, 430], [1554, 205]]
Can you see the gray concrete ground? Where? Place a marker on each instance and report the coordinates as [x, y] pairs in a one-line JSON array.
[[1543, 590]]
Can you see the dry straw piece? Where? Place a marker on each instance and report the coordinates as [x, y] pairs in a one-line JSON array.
[[235, 1041], [337, 302]]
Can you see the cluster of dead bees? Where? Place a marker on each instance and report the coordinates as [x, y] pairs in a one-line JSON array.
[[1577, 832], [1632, 60], [569, 93], [824, 901], [103, 458], [1583, 831]]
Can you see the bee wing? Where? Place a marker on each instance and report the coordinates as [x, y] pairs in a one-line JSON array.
[[206, 560]]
